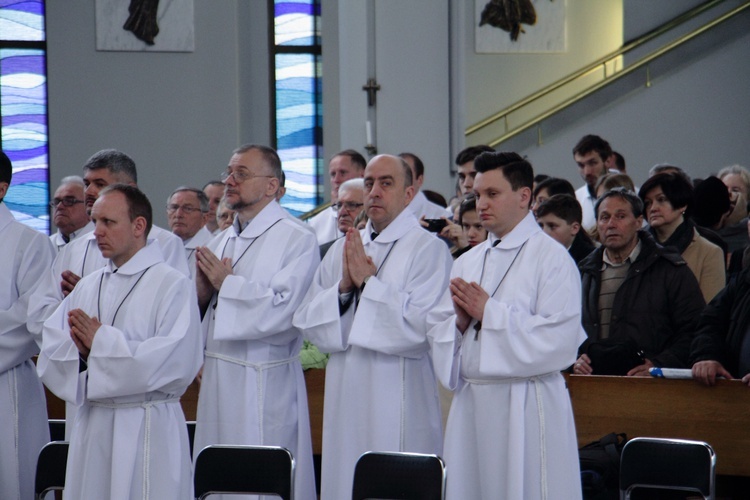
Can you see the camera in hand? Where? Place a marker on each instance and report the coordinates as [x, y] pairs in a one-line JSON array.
[[436, 225]]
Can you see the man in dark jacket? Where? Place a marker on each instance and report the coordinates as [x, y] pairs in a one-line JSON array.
[[641, 302], [722, 344]]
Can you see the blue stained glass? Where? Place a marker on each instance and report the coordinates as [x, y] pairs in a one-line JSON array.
[[298, 103], [23, 109], [22, 20]]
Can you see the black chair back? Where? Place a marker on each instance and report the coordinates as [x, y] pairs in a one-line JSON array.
[[672, 464], [266, 470], [50, 468], [411, 476]]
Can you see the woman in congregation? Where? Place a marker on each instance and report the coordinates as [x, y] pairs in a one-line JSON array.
[[667, 198]]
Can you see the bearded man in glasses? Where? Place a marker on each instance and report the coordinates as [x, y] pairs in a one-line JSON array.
[[250, 280]]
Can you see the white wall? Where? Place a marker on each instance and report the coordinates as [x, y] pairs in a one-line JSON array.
[[179, 115], [695, 115]]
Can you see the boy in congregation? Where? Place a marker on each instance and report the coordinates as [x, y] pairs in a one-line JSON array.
[[507, 326], [124, 346], [561, 217]]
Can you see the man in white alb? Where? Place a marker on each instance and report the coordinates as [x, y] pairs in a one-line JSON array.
[[420, 205], [250, 280], [594, 158], [82, 256], [347, 164], [367, 307], [69, 212], [123, 347], [27, 254], [509, 323], [187, 212]]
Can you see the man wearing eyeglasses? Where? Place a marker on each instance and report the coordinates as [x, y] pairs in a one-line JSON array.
[[347, 164], [69, 212], [250, 280], [187, 213], [347, 208]]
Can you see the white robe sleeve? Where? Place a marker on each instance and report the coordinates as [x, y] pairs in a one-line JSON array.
[[319, 317], [248, 309], [120, 365], [390, 315], [174, 252], [26, 262], [523, 342]]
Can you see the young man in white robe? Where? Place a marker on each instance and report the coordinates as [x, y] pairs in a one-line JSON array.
[[27, 254], [82, 256], [124, 345], [507, 326], [250, 280], [367, 307]]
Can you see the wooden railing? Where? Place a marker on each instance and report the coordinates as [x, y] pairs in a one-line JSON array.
[[667, 408], [637, 406]]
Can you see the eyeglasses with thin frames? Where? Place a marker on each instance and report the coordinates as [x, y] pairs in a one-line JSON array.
[[240, 176], [348, 205], [172, 208], [68, 201]]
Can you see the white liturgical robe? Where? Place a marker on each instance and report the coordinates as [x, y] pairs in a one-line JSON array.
[[381, 392], [510, 432], [253, 389], [420, 206], [199, 239], [82, 256], [325, 225], [59, 242], [23, 413], [129, 439]]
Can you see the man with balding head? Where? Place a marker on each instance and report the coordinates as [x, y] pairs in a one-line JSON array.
[[367, 307], [347, 164], [69, 212]]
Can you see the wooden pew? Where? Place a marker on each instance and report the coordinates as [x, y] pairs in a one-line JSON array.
[[654, 407], [315, 380]]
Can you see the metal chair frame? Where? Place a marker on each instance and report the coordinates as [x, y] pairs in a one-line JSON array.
[[412, 476], [672, 464], [50, 468], [265, 470]]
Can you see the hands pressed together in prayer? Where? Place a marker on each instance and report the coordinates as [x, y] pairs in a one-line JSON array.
[[210, 273], [357, 265], [83, 328], [469, 300]]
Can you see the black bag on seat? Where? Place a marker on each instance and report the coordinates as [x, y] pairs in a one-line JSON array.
[[600, 467]]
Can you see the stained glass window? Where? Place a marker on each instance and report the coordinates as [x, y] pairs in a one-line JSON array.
[[23, 109], [298, 103]]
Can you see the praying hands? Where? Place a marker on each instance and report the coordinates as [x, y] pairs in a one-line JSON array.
[[83, 328], [357, 265], [469, 300]]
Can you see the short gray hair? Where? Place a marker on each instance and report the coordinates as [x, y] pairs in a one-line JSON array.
[[202, 198]]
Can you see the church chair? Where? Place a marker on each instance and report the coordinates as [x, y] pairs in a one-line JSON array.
[[56, 429], [671, 464], [411, 476], [50, 468], [267, 470]]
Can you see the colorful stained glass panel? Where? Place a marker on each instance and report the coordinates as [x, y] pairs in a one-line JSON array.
[[295, 22], [23, 105], [298, 133], [22, 20]]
